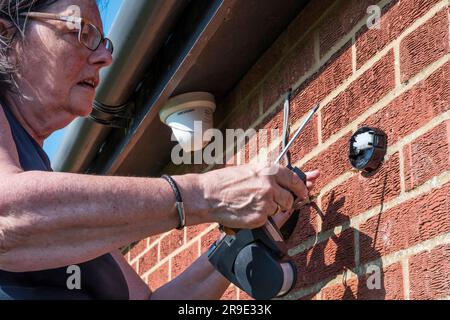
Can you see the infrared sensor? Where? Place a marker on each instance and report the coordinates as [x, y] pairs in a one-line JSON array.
[[367, 148]]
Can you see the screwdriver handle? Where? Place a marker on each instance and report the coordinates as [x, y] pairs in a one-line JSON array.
[[298, 172]]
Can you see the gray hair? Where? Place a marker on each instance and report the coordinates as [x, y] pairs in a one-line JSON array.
[[10, 11]]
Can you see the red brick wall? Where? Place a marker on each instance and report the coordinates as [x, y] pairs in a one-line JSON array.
[[395, 78]]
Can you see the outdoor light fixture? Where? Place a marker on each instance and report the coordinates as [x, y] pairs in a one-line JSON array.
[[190, 115], [367, 149]]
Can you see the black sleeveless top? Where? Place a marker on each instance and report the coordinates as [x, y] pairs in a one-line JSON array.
[[101, 278]]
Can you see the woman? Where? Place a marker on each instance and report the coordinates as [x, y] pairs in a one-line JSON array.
[[49, 70]]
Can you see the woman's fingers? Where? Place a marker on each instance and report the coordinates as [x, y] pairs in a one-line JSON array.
[[290, 181], [283, 198], [281, 217], [311, 178], [244, 196]]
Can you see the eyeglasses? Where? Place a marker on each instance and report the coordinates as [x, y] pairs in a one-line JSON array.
[[88, 34]]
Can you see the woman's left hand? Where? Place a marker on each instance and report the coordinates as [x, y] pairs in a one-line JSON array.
[[281, 217]]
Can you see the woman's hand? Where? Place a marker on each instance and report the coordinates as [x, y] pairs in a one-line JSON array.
[[245, 196], [281, 217]]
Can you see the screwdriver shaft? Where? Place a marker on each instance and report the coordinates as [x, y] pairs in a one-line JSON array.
[[297, 133]]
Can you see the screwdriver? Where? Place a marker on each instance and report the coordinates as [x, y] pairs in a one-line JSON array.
[[296, 170], [297, 133]]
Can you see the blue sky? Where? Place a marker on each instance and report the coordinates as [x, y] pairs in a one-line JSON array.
[[108, 14]]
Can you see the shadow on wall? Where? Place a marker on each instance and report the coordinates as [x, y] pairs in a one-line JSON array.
[[333, 253], [334, 256]]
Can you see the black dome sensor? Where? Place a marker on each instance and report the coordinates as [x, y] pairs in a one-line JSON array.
[[367, 148]]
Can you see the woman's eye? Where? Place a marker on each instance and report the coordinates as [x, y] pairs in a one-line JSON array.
[[74, 33]]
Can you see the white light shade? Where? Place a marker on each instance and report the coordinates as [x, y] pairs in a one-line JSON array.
[[190, 115]]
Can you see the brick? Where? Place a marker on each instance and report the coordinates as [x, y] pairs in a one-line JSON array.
[[208, 239], [148, 260], [273, 120], [340, 21], [254, 144], [359, 194], [426, 100], [171, 242], [135, 266], [396, 17], [138, 248], [245, 115], [184, 259], [347, 291], [427, 156], [252, 147], [153, 239], [325, 260], [273, 154], [406, 224], [331, 162], [225, 106], [424, 45], [269, 131], [193, 231], [306, 227], [262, 68], [290, 70], [305, 143], [159, 277], [359, 96], [332, 74], [308, 140], [299, 60], [307, 17], [231, 161], [429, 274], [391, 286], [242, 155], [288, 39]]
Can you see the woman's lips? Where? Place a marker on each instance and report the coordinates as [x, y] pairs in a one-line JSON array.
[[86, 86]]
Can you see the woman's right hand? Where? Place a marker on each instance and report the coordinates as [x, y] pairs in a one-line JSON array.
[[245, 196]]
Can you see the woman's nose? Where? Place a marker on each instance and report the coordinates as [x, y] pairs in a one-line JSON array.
[[101, 57]]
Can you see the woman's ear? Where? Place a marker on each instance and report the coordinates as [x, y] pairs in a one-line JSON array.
[[7, 29]]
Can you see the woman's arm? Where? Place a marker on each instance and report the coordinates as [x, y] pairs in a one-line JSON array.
[[201, 281], [49, 219], [198, 282], [137, 288]]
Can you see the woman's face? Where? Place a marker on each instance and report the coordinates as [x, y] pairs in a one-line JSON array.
[[52, 64]]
